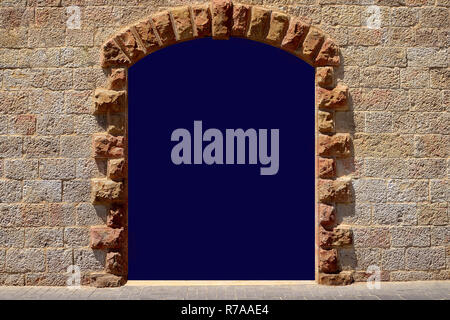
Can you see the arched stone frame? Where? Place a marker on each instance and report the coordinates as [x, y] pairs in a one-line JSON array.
[[220, 19]]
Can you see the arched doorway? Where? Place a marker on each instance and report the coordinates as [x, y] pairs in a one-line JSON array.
[[221, 221]]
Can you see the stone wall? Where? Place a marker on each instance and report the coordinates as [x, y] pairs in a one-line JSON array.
[[383, 189]]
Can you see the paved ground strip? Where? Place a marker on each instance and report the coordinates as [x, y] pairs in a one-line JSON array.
[[435, 290]]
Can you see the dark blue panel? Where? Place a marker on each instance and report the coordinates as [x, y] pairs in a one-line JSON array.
[[220, 222]]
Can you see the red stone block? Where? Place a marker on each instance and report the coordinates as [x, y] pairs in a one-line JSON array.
[[106, 238]]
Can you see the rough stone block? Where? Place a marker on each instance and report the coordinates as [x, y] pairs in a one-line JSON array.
[[109, 100], [25, 260], [130, 45], [325, 77], [222, 14], [38, 147], [327, 215], [296, 34], [12, 238], [89, 259], [112, 55], [335, 99], [163, 26], [327, 168], [371, 237], [325, 121], [395, 214], [241, 14], [104, 237], [411, 236], [109, 146], [107, 190], [328, 260], [433, 213], [35, 191], [279, 23], [340, 279], [117, 169], [116, 217], [311, 45], [259, 24], [61, 214], [57, 169], [425, 258], [43, 237], [182, 22], [23, 124], [328, 54], [105, 280], [77, 191], [116, 263], [89, 214], [76, 237], [338, 145], [393, 259], [335, 238], [202, 20], [354, 213], [79, 146], [21, 169], [407, 190]]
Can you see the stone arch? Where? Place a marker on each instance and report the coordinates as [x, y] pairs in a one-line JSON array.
[[220, 19]]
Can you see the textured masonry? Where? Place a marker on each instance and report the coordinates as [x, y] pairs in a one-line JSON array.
[[382, 140], [222, 19]]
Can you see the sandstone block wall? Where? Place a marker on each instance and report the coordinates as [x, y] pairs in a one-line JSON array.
[[383, 122]]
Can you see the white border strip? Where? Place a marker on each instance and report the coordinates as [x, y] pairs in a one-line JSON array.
[[165, 283]]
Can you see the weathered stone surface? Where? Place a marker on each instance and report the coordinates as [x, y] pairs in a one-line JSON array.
[[148, 36], [107, 190], [113, 55], [328, 54], [241, 14], [116, 124], [106, 280], [279, 23], [116, 263], [106, 238], [338, 145], [116, 217], [325, 77], [259, 24], [327, 215], [163, 26], [109, 100], [222, 14], [117, 169], [433, 214], [23, 124], [336, 238], [406, 236], [182, 21], [373, 237], [325, 121], [311, 45], [327, 168], [117, 79], [336, 99], [296, 33], [109, 146], [425, 258], [202, 20], [130, 45], [335, 191], [341, 279], [328, 261]]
